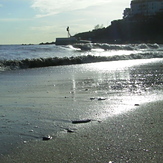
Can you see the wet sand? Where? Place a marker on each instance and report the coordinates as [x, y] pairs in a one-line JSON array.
[[126, 118], [133, 137]]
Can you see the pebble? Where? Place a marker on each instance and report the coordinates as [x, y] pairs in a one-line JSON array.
[[48, 137], [70, 131], [101, 98]]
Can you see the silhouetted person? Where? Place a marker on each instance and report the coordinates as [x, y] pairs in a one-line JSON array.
[[68, 32]]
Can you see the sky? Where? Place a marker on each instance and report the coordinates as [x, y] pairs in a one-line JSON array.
[[36, 21]]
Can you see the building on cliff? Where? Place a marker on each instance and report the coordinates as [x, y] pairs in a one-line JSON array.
[[141, 8]]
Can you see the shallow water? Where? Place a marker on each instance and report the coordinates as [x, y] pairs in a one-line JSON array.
[[38, 102]]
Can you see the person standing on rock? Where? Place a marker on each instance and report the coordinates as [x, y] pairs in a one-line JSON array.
[[68, 30]]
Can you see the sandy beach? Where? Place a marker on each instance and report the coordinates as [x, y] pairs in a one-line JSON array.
[[123, 99], [133, 137]]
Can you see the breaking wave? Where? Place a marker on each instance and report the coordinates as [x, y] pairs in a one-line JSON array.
[[106, 46], [22, 57], [56, 61]]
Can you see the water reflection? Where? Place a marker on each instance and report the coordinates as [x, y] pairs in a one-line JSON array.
[[122, 85]]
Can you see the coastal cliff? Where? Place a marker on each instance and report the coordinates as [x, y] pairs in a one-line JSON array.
[[128, 30]]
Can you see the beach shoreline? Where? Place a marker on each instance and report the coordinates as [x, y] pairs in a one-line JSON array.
[[123, 100]]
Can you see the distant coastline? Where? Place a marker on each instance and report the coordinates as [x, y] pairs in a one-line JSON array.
[[135, 30], [141, 23], [125, 31]]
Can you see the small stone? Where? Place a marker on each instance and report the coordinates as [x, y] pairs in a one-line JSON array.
[[101, 98], [25, 142], [48, 137], [92, 98], [70, 131]]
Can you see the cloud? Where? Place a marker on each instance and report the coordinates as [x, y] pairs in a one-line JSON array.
[[52, 7]]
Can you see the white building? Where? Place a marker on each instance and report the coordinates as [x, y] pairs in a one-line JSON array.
[[144, 8]]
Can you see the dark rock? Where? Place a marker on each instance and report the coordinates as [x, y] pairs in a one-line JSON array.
[[101, 98], [92, 98], [70, 131], [81, 121], [48, 137]]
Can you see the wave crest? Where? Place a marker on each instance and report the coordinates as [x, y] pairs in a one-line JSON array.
[[106, 46], [45, 62]]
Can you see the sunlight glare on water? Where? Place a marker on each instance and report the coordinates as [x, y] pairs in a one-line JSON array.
[[116, 65], [123, 84]]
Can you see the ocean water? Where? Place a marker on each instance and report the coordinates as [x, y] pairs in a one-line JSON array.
[[31, 56]]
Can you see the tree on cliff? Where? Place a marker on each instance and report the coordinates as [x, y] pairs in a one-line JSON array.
[[98, 26]]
